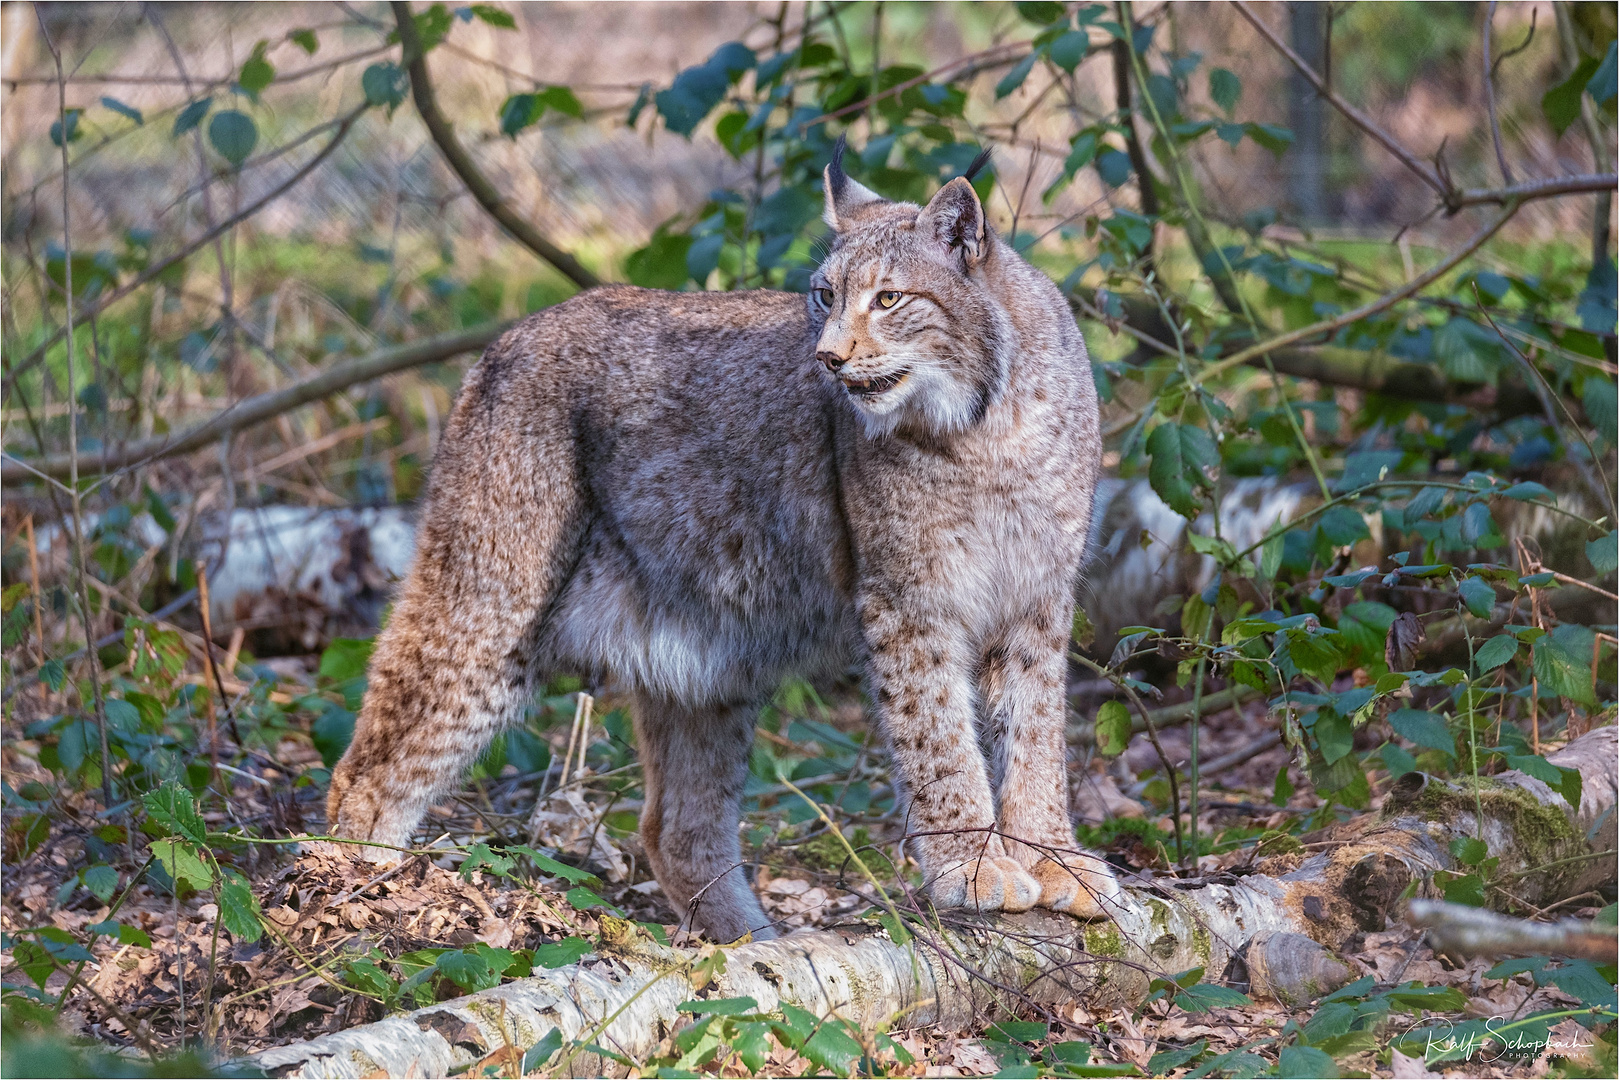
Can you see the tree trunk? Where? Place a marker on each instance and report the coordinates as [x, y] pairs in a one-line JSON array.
[[626, 998]]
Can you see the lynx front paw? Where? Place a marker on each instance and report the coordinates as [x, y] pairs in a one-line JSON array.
[[1080, 884], [990, 883]]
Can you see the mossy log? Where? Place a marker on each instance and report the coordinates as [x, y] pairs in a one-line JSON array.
[[953, 973]]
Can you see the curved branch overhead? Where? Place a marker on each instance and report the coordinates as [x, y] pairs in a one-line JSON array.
[[456, 156]]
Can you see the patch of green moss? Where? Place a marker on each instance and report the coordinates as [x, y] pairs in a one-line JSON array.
[[1103, 939]]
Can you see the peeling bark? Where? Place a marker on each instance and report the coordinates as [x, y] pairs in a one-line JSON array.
[[626, 997]]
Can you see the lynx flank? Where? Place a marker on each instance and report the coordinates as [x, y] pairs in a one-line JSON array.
[[692, 495]]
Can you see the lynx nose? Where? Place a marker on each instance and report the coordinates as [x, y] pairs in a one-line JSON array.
[[831, 359]]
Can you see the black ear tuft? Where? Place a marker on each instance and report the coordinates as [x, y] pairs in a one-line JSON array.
[[836, 178], [978, 163]]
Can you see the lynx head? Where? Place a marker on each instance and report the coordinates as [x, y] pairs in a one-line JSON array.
[[904, 304]]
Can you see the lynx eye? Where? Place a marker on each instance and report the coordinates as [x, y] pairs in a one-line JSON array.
[[887, 299], [823, 296]]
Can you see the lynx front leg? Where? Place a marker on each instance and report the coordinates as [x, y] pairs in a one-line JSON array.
[[1022, 686], [694, 765], [924, 698]]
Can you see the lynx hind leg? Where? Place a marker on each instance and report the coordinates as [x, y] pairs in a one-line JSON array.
[[695, 763], [455, 664]]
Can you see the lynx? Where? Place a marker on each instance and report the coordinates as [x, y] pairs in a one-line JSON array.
[[694, 495]]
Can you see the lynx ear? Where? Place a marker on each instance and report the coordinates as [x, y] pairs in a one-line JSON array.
[[955, 218], [843, 195]]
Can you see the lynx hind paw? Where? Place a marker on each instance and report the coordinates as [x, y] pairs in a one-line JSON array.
[[1082, 885], [993, 883]]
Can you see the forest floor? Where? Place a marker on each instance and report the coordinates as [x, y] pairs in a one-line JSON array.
[[342, 944]]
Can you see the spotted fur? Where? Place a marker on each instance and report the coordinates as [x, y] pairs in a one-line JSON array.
[[680, 493]]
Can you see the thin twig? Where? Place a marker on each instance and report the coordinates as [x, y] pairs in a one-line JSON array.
[[1489, 96]]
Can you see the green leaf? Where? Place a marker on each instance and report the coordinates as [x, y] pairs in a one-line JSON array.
[[547, 865], [1165, 1062], [1342, 526], [1478, 595], [735, 1006], [1465, 889], [494, 16], [172, 807], [384, 83], [71, 117], [121, 109], [126, 934], [1561, 103], [561, 953], [102, 881], [192, 115], [1604, 553], [469, 971], [519, 111], [345, 658], [583, 899], [562, 100], [1203, 997], [1563, 664], [1014, 78], [1495, 652], [897, 932], [1272, 137], [662, 263], [1581, 979], [1604, 84], [1600, 399], [1180, 454], [1225, 88], [233, 134], [331, 733], [1305, 1062], [1397, 760], [479, 856], [182, 863], [367, 976], [1069, 49], [1334, 734], [257, 73], [1112, 728], [306, 40], [536, 1056], [1041, 12], [1423, 728], [239, 909], [1468, 850], [1283, 789]]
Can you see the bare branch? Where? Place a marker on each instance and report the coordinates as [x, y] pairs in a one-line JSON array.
[[266, 406], [1530, 190], [1356, 117], [153, 272], [421, 88]]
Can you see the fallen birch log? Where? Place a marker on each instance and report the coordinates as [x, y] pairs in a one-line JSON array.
[[626, 997]]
